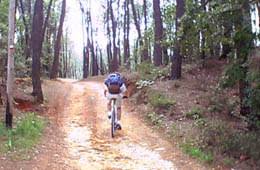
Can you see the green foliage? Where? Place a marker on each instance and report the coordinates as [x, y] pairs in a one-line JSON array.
[[233, 73], [4, 11], [23, 136], [218, 137], [158, 100], [147, 71], [168, 16], [194, 113], [197, 153], [144, 83], [227, 161], [157, 119], [216, 101]]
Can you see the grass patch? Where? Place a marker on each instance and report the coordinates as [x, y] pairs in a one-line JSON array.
[[147, 71], [158, 100], [157, 119], [227, 161], [195, 152], [218, 137], [194, 113], [23, 136]]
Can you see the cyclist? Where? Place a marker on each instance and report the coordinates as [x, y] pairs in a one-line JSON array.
[[114, 88]]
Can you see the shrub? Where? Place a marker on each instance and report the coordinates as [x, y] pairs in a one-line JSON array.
[[197, 153], [24, 135], [158, 100], [194, 113], [147, 71], [144, 70], [157, 119], [144, 83], [226, 140]]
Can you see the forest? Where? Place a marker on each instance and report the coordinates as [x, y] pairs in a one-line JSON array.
[[156, 39]]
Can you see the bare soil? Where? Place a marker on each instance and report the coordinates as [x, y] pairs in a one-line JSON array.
[[78, 135]]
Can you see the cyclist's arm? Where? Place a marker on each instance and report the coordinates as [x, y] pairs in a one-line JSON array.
[[105, 91], [123, 88]]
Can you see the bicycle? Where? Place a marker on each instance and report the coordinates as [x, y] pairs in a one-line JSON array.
[[113, 117]]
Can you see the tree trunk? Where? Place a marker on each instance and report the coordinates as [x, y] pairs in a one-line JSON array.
[[146, 57], [27, 51], [85, 62], [109, 51], [37, 49], [177, 58], [93, 56], [126, 34], [66, 56], [55, 66], [203, 43], [119, 32], [10, 74], [114, 65], [227, 28], [137, 25], [85, 48], [46, 20], [102, 71], [1, 102], [158, 33], [243, 26]]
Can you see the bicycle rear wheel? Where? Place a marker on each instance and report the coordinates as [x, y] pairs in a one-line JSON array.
[[113, 123]]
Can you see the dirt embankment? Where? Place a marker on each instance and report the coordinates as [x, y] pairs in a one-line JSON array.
[[78, 135]]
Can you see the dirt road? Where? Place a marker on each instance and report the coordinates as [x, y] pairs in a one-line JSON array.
[[79, 138]]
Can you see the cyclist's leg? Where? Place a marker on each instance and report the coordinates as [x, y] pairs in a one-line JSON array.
[[119, 104], [119, 113], [109, 106]]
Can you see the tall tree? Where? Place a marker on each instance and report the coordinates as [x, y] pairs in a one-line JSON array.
[[243, 43], [27, 51], [177, 58], [55, 65], [119, 32], [158, 33], [137, 25], [146, 57], [203, 41], [85, 62], [10, 75], [85, 48], [109, 44], [114, 65], [93, 55], [126, 33], [227, 29], [46, 19], [37, 49]]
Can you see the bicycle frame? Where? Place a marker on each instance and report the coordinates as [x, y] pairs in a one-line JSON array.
[[113, 117]]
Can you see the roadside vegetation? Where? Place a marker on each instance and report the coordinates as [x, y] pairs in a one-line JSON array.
[[197, 113], [17, 142]]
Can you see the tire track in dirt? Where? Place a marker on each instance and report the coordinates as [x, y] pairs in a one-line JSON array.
[[90, 145], [78, 136]]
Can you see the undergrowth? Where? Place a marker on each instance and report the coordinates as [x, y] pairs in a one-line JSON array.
[[147, 71], [205, 131], [19, 140], [218, 137], [158, 99], [196, 152]]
